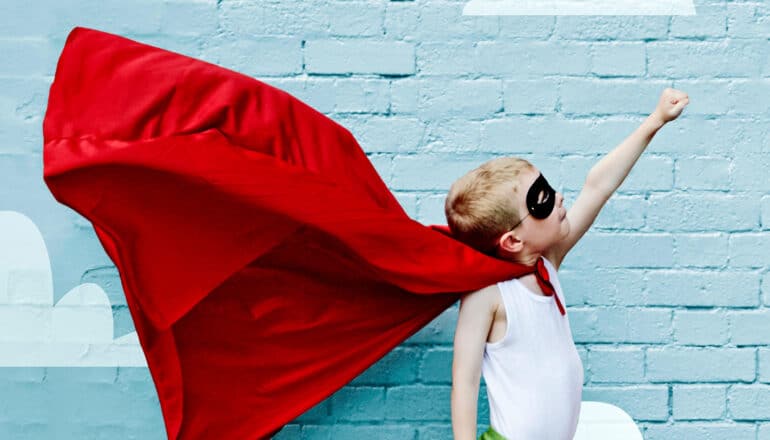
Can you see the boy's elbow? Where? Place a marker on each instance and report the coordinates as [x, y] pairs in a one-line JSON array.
[[598, 186]]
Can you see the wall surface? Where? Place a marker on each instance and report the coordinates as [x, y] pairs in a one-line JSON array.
[[668, 293]]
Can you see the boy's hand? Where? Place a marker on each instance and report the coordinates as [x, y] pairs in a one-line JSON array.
[[671, 104]]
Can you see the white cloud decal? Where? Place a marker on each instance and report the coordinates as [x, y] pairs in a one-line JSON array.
[[579, 7], [602, 421], [76, 332]]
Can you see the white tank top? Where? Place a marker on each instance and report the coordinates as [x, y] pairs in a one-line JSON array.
[[534, 375]]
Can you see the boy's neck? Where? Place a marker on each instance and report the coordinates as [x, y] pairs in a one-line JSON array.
[[528, 259]]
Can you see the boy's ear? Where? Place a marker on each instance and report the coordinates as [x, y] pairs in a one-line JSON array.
[[511, 243]]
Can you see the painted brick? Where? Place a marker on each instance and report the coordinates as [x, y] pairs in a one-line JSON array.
[[447, 98], [436, 366], [530, 96], [440, 330], [383, 164], [260, 56], [622, 213], [696, 288], [579, 96], [592, 325], [706, 137], [765, 203], [532, 26], [361, 96], [710, 22], [703, 173], [408, 201], [764, 365], [382, 134], [696, 212], [398, 366], [611, 250], [417, 403], [452, 134], [359, 404], [429, 171], [765, 289], [602, 287], [693, 327], [274, 18], [750, 20], [522, 135], [431, 210], [684, 59], [641, 402], [441, 20], [701, 250], [665, 293], [401, 19], [316, 92], [532, 59], [616, 365], [445, 58], [473, 99], [673, 364], [359, 56], [750, 327], [31, 57], [749, 402], [354, 19], [185, 17], [742, 98], [700, 431], [699, 402], [749, 250], [750, 172], [618, 59], [611, 27], [385, 432]]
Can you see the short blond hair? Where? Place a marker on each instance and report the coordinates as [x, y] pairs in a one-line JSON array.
[[480, 205]]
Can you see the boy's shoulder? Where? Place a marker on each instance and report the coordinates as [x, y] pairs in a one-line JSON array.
[[488, 298]]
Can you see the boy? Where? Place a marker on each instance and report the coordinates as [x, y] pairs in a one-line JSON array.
[[516, 332]]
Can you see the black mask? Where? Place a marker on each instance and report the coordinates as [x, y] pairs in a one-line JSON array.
[[541, 199]]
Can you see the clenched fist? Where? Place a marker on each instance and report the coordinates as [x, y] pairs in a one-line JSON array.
[[671, 104]]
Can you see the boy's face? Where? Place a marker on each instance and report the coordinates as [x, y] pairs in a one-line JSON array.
[[535, 234]]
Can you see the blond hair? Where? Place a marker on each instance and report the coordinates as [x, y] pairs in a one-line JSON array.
[[480, 205]]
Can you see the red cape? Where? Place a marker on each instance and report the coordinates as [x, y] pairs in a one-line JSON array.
[[264, 261]]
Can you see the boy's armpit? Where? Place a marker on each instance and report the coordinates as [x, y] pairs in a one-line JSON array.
[[474, 321]]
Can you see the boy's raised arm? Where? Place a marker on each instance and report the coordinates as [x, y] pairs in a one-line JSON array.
[[609, 173], [473, 323]]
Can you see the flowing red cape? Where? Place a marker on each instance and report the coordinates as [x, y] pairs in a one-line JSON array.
[[264, 262]]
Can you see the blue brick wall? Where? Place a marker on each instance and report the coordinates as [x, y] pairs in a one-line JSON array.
[[668, 293]]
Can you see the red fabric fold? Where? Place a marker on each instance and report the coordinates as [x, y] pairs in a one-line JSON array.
[[264, 262]]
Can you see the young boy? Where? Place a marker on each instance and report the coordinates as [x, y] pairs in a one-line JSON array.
[[516, 332]]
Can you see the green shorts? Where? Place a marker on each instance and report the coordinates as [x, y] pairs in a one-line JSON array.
[[491, 434]]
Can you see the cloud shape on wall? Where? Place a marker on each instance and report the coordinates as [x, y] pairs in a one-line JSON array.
[[76, 332], [579, 7]]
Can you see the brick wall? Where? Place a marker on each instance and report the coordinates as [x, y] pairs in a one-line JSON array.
[[668, 292]]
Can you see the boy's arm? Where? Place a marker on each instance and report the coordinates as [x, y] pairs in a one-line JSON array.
[[606, 176], [473, 323]]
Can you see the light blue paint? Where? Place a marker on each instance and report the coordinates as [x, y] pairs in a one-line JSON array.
[[666, 294]]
